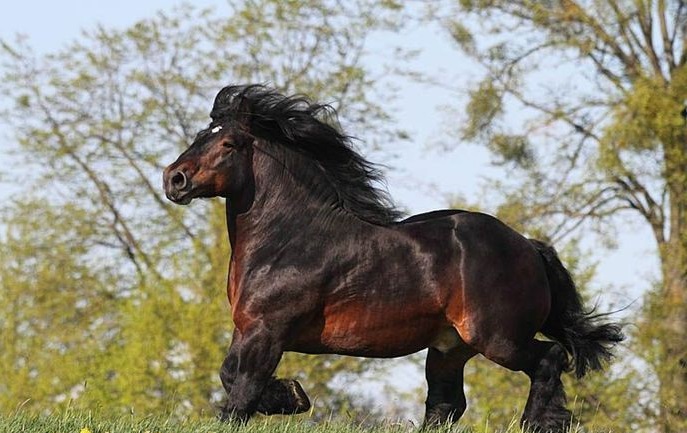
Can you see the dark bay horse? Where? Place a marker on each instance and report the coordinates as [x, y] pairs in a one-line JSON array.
[[321, 263]]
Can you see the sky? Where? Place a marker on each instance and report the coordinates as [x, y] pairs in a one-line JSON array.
[[423, 176]]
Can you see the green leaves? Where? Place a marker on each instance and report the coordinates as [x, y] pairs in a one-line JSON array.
[[462, 35], [484, 119], [513, 149], [649, 116], [483, 109]]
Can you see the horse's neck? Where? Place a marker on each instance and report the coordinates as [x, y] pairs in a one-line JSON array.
[[290, 195]]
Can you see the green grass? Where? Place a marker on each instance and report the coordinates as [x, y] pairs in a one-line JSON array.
[[73, 421], [84, 422]]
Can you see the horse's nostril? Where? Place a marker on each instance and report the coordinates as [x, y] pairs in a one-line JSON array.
[[179, 180]]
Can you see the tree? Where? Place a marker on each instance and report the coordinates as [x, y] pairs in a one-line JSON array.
[[56, 306], [585, 102], [95, 123]]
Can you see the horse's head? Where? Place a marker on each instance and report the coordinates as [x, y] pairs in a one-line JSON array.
[[291, 138], [217, 163]]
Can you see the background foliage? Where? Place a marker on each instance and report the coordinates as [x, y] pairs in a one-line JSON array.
[[113, 299]]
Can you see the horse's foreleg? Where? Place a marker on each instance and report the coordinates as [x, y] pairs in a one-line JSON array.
[[247, 370], [281, 396], [445, 396], [227, 372]]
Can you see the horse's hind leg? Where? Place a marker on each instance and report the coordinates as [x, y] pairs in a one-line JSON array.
[[445, 397], [545, 406], [543, 362]]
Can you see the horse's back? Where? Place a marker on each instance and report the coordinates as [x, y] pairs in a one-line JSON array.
[[432, 215]]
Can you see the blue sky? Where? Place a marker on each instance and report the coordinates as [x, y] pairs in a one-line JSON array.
[[423, 175]]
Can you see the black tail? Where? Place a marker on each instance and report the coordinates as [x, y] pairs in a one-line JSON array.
[[586, 339]]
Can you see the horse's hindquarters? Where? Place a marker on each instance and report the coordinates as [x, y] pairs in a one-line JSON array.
[[505, 296]]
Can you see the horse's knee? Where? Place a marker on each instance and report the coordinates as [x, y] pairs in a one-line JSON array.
[[229, 368], [227, 372]]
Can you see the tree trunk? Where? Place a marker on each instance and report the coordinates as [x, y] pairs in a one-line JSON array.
[[673, 371]]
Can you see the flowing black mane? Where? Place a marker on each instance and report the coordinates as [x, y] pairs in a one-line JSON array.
[[296, 122]]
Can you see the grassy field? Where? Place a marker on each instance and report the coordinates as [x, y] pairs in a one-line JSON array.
[[86, 422]]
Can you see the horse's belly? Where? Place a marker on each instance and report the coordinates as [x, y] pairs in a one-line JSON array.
[[363, 330]]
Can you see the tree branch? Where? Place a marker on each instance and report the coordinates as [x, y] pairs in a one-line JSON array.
[[630, 62], [126, 237], [153, 192], [667, 40], [629, 36], [612, 77], [641, 200], [683, 27], [646, 25]]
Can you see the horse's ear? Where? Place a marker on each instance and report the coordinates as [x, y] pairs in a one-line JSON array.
[[232, 104], [243, 115]]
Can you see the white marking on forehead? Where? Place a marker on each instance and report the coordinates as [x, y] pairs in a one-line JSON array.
[[216, 129]]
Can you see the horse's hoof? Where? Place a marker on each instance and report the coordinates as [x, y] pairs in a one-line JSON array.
[[283, 396], [233, 416]]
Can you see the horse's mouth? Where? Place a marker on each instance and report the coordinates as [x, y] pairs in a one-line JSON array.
[[181, 198], [184, 201]]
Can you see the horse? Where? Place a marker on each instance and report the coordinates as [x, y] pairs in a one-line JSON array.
[[322, 263]]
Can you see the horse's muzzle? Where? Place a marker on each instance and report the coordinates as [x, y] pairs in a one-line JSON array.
[[177, 185]]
